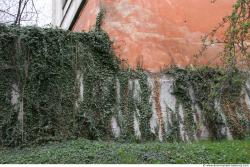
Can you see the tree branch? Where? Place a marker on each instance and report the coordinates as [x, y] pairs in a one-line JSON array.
[[7, 13], [18, 12]]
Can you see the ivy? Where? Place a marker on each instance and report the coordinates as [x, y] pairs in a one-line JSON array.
[[64, 84], [208, 85], [57, 85], [43, 63]]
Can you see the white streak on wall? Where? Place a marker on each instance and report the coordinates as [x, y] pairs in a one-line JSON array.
[[81, 87], [137, 91], [130, 85], [184, 136], [115, 128], [248, 84], [225, 130], [153, 119], [167, 100], [201, 129], [137, 125], [15, 96], [204, 131], [246, 92], [17, 103], [79, 79], [247, 99], [197, 123], [134, 86], [118, 99]]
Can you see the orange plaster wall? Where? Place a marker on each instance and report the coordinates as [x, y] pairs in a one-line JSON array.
[[158, 33]]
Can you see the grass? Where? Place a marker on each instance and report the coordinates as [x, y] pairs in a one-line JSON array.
[[85, 151]]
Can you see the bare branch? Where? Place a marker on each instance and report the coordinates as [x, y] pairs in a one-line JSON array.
[[33, 5], [18, 11], [5, 12]]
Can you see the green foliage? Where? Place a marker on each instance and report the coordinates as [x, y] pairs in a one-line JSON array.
[[43, 63], [208, 84], [44, 68], [130, 104], [85, 151], [236, 53], [57, 85]]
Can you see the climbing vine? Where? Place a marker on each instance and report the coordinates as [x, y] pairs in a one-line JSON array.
[[57, 85], [39, 84], [206, 86], [227, 88]]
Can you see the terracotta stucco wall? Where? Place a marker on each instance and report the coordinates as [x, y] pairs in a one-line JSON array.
[[158, 33]]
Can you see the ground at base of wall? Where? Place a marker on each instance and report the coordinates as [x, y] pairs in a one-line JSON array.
[[85, 151]]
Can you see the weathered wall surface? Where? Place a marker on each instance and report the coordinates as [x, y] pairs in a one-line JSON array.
[[169, 116], [57, 85], [158, 33]]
